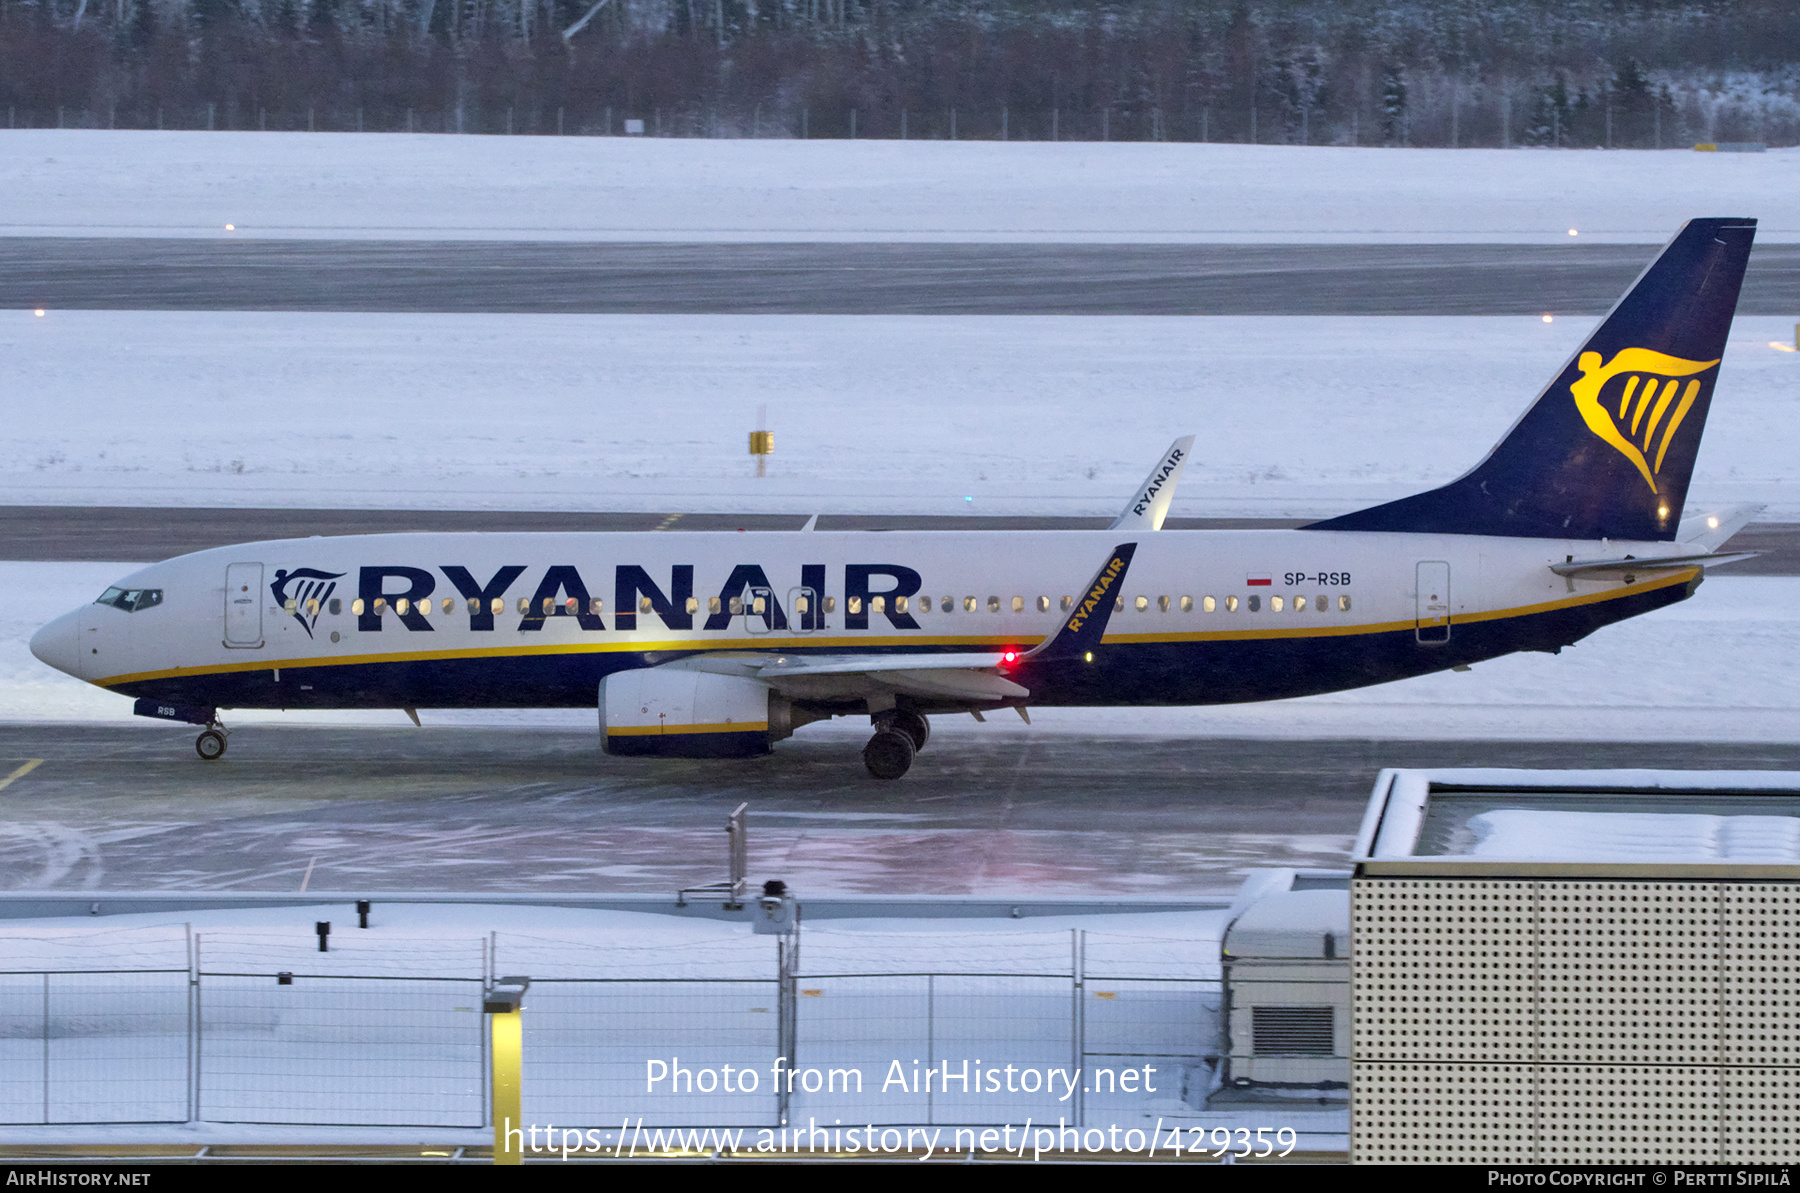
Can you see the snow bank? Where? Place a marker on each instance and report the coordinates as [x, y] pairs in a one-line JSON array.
[[94, 183], [1299, 417]]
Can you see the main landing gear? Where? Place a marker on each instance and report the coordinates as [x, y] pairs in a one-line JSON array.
[[210, 745], [898, 736]]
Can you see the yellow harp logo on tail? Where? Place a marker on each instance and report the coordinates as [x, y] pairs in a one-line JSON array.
[[1636, 415]]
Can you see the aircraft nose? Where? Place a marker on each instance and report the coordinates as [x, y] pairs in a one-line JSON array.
[[59, 644]]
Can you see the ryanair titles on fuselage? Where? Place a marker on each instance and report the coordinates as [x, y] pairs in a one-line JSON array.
[[882, 589]]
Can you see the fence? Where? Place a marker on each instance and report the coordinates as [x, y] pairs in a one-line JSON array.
[[171, 1025]]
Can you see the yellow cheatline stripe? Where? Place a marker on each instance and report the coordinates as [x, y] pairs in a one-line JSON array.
[[681, 730], [31, 764], [770, 644]]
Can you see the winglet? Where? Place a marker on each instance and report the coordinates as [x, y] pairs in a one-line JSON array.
[[1080, 634], [1147, 509]]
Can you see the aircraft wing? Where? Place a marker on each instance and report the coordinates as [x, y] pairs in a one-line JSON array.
[[975, 678]]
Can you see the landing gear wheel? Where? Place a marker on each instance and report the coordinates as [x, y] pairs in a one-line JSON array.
[[889, 753], [210, 745], [914, 726]]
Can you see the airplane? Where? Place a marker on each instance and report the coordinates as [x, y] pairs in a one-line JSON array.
[[719, 645]]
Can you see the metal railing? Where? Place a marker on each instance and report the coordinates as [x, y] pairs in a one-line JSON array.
[[259, 1026]]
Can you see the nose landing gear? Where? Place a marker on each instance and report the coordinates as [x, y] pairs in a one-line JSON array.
[[210, 745]]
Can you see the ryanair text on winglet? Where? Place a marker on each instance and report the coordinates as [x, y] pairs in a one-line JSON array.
[[1158, 481], [1096, 594]]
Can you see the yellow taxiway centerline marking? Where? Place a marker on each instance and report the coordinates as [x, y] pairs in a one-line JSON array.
[[31, 764]]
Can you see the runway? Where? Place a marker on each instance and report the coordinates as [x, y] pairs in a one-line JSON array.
[[847, 279], [132, 808], [121, 534]]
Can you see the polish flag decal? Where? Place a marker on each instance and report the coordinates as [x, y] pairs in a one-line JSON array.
[[1258, 580]]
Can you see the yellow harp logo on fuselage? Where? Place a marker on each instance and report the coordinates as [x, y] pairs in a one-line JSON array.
[[1638, 413]]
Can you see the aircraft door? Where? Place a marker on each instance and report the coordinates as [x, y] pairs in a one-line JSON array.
[[1433, 603], [243, 604], [759, 610], [803, 610]]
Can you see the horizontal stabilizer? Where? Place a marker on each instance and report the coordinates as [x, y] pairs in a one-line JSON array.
[[1712, 531], [1662, 563]]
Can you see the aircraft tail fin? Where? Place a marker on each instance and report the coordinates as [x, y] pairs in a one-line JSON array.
[[1608, 448]]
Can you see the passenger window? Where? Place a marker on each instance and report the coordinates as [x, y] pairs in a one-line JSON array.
[[336, 606], [1322, 603], [1162, 602], [924, 605], [1119, 605], [1066, 602], [1187, 604], [899, 605], [1343, 604], [693, 605], [474, 606], [595, 605], [801, 604], [1208, 605], [1043, 604], [644, 605], [574, 606], [1231, 604], [1254, 604], [830, 604], [1141, 603], [312, 607], [524, 605], [853, 605], [356, 606], [289, 606], [1274, 604], [968, 604], [876, 604], [548, 606], [449, 605], [737, 605], [380, 606], [712, 604], [423, 608], [498, 607], [993, 604], [759, 606]]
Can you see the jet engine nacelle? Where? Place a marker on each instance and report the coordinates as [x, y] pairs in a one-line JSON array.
[[663, 712]]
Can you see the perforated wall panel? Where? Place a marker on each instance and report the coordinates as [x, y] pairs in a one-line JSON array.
[[1629, 972], [1444, 971], [1628, 1114], [1575, 1021], [1406, 1112]]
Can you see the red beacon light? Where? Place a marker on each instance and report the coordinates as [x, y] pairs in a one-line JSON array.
[[1010, 656]]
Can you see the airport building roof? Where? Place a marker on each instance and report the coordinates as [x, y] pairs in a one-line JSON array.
[[1740, 824]]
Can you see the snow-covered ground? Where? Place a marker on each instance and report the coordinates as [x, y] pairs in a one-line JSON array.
[[1718, 667], [93, 183], [906, 414]]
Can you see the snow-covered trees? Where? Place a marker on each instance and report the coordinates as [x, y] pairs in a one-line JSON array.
[[1419, 72]]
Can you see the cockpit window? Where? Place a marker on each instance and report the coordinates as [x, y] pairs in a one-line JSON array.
[[131, 599]]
